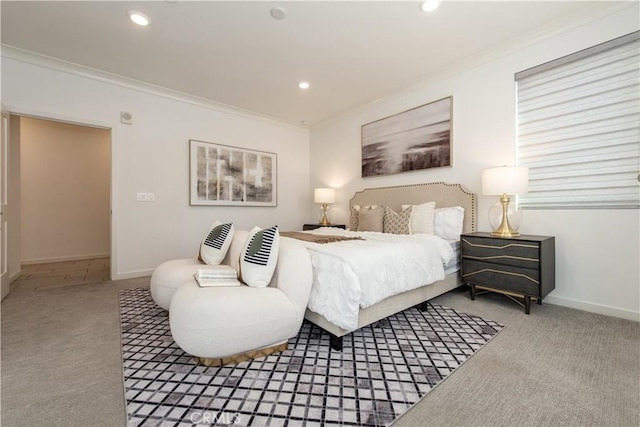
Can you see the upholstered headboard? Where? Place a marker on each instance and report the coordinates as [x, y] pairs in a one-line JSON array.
[[445, 195]]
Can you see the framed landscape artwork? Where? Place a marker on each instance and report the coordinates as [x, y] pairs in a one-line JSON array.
[[416, 139], [221, 175]]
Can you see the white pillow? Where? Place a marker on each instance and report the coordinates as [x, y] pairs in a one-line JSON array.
[[422, 217], [259, 257], [448, 222], [215, 246]]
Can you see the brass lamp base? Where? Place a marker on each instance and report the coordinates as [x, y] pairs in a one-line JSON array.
[[324, 220], [505, 230]]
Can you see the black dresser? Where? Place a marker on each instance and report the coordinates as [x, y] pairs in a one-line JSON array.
[[521, 266]]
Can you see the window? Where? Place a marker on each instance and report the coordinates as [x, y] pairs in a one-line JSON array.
[[578, 128]]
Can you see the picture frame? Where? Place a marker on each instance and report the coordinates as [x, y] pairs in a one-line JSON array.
[[416, 139], [222, 175]]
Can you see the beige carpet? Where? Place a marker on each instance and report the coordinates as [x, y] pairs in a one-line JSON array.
[[61, 364]]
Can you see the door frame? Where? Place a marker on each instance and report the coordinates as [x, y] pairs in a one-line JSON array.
[[5, 279], [114, 190]]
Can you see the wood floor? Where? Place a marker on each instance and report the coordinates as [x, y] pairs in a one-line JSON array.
[[66, 273]]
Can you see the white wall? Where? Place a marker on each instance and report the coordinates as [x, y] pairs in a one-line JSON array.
[[597, 250], [66, 191], [152, 156]]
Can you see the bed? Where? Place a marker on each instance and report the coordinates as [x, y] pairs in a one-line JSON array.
[[445, 195]]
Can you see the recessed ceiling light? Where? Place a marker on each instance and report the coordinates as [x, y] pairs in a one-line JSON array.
[[429, 5], [278, 12], [139, 18], [303, 85]]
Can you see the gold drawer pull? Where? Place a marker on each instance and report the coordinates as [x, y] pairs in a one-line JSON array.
[[501, 272], [499, 247], [502, 256]]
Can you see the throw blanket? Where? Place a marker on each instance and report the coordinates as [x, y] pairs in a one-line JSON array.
[[316, 238]]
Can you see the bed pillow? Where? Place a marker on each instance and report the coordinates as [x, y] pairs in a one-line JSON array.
[[397, 223], [214, 247], [422, 218], [448, 222], [354, 216], [370, 218], [354, 212], [259, 256]]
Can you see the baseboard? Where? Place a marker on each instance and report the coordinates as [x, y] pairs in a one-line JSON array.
[[132, 275], [15, 276], [65, 258], [593, 308]]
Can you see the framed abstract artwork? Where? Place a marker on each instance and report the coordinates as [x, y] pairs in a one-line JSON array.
[[416, 139], [221, 175]]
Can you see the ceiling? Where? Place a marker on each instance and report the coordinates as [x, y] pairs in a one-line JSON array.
[[236, 53]]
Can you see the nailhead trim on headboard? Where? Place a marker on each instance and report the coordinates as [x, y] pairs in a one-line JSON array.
[[445, 195]]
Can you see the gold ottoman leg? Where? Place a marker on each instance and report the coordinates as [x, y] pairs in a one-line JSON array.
[[241, 357]]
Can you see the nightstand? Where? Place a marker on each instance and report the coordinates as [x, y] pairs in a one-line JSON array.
[[521, 266], [306, 227]]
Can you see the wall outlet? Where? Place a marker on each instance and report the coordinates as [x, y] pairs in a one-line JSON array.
[[146, 197]]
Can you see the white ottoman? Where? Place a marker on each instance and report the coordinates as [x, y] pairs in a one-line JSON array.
[[227, 321], [168, 276]]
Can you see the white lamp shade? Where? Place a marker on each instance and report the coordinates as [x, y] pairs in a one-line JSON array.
[[324, 195], [505, 180]]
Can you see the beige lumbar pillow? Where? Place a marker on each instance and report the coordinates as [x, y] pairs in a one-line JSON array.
[[259, 256], [215, 246]]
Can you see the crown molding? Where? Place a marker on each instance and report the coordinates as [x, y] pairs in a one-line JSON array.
[[67, 67], [595, 12]]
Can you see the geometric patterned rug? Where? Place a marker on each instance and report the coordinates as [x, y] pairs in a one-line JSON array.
[[381, 372]]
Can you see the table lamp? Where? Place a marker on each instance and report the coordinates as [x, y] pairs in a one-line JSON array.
[[504, 181], [324, 196]]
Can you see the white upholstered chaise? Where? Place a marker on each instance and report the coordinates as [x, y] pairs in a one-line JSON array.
[[219, 325]]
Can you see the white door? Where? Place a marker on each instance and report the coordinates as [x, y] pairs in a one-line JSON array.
[[4, 154]]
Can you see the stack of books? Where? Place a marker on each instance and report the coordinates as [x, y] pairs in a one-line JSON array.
[[217, 275]]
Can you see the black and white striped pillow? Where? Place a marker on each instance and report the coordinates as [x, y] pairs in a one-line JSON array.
[[215, 246], [259, 256]]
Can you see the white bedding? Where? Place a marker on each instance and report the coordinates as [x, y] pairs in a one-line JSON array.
[[453, 265], [359, 273]]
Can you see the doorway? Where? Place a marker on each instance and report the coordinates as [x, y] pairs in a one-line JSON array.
[[64, 200]]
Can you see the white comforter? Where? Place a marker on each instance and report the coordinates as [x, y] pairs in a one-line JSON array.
[[351, 274]]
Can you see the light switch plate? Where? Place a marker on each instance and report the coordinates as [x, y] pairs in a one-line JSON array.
[[146, 197]]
